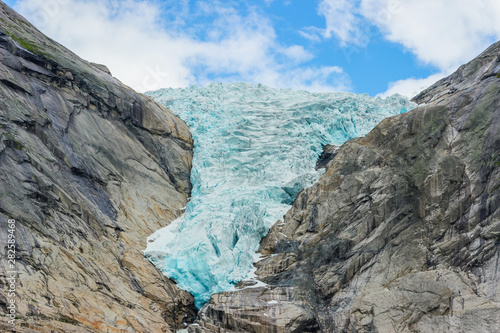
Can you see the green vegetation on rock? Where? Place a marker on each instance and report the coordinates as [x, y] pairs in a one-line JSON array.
[[16, 35], [30, 46]]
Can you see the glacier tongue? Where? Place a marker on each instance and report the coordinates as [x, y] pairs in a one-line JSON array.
[[255, 148]]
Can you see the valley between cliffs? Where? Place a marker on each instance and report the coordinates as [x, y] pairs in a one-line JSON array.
[[401, 233]]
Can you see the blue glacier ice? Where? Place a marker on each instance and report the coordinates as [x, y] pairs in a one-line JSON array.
[[255, 149]]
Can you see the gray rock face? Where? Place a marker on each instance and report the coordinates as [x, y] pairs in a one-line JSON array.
[[88, 169], [402, 232]]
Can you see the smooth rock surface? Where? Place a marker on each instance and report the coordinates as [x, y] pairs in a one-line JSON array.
[[402, 232], [89, 168]]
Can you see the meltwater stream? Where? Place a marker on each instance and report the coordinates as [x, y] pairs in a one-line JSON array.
[[255, 149]]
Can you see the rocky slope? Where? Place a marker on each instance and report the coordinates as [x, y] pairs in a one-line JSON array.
[[88, 169], [402, 232]]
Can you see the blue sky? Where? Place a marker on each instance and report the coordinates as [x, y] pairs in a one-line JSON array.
[[362, 46]]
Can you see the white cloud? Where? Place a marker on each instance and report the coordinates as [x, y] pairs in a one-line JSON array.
[[412, 86], [149, 47], [297, 53], [314, 34], [342, 21], [442, 33]]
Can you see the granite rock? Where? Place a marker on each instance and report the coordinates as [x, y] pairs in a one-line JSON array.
[[89, 169]]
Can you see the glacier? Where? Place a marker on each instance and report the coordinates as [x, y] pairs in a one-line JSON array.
[[255, 148]]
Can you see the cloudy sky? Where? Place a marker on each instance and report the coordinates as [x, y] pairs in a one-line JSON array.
[[362, 46]]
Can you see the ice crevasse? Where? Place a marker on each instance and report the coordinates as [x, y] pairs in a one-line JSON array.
[[255, 149]]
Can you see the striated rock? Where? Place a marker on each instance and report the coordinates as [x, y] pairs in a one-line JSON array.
[[259, 310], [89, 169], [402, 232]]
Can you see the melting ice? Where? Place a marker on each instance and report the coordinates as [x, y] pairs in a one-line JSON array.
[[255, 149]]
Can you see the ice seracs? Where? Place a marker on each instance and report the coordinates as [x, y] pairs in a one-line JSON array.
[[255, 149]]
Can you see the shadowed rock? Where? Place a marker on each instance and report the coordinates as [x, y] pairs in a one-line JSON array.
[[329, 152]]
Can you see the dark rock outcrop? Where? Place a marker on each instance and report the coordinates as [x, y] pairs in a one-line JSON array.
[[402, 232], [88, 169], [329, 152]]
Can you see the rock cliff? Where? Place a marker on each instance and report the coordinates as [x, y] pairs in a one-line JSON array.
[[402, 232], [88, 169]]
